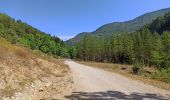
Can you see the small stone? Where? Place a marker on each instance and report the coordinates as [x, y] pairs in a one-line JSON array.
[[47, 85], [41, 89]]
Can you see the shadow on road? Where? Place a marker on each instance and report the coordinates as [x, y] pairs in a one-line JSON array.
[[113, 95]]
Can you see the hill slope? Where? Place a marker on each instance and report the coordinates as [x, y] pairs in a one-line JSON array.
[[119, 27], [18, 32], [160, 25], [23, 73]]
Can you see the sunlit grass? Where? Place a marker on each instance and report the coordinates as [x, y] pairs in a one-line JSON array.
[[21, 66]]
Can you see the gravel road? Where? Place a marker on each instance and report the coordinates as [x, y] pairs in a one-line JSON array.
[[96, 84]]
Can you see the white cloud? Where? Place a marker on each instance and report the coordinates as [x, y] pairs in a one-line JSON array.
[[64, 38]]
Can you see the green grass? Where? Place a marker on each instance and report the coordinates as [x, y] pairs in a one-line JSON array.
[[162, 75]]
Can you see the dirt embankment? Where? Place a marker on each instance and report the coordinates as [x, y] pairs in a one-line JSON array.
[[28, 76]]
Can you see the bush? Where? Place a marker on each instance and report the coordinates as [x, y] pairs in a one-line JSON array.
[[137, 69], [162, 75]]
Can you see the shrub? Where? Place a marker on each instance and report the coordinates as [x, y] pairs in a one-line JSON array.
[[162, 75], [137, 69]]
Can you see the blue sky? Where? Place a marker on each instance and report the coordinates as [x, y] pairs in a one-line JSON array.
[[67, 18]]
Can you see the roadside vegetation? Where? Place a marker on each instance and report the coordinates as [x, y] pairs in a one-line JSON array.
[[22, 70], [147, 75], [147, 48]]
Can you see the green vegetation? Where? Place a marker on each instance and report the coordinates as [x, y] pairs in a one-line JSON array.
[[149, 46], [23, 34], [146, 47], [143, 47], [137, 69], [147, 75], [122, 27], [162, 75]]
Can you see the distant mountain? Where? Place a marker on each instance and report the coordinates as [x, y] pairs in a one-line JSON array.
[[77, 38], [119, 27], [160, 24]]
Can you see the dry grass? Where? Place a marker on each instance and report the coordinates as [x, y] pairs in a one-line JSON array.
[[22, 53], [8, 91], [117, 68], [6, 49], [20, 67]]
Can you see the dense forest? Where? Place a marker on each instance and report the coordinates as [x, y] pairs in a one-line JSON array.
[[20, 33], [149, 46], [143, 47]]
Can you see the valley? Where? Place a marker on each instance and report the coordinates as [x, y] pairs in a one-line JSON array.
[[126, 60]]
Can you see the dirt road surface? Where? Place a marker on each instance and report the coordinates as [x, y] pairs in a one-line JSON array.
[[96, 84]]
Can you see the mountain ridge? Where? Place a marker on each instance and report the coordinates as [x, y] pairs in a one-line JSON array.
[[120, 27]]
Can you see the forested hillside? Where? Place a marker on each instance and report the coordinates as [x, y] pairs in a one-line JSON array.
[[160, 25], [18, 32], [147, 46], [150, 46], [121, 27]]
